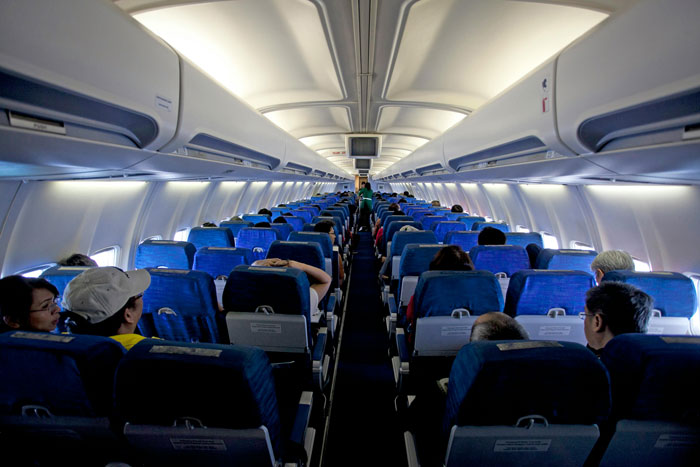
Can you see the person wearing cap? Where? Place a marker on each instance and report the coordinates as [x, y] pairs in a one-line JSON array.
[[106, 302]]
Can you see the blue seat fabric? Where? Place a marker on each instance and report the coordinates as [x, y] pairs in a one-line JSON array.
[[578, 260], [500, 258], [218, 261], [523, 239], [534, 292], [165, 253], [481, 225], [466, 239], [438, 293], [211, 236], [257, 239], [236, 226]]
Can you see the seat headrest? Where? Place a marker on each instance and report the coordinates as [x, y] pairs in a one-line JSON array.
[[673, 293], [536, 291], [438, 293]]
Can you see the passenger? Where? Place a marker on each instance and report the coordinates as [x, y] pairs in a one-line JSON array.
[[280, 220], [28, 304], [533, 251], [497, 326], [209, 224], [405, 193], [236, 219], [329, 228], [365, 197], [107, 302], [614, 308], [435, 203], [287, 214], [491, 236], [385, 270], [319, 281], [265, 212], [457, 208], [378, 229], [77, 259], [611, 260], [262, 224]]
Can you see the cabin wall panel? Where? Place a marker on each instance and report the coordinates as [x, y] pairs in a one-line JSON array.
[[222, 202], [175, 206], [55, 219], [251, 198], [505, 204], [658, 224], [475, 202]]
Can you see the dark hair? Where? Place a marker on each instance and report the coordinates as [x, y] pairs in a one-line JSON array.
[[393, 207], [262, 224], [491, 236], [324, 226], [77, 259], [399, 213], [287, 214], [457, 208], [16, 297], [402, 201], [500, 327], [368, 186], [265, 211], [209, 224], [280, 220], [405, 193], [624, 308], [281, 205], [108, 327], [451, 258]]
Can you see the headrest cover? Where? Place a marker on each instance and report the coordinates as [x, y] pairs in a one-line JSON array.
[[438, 293], [673, 293], [536, 291]]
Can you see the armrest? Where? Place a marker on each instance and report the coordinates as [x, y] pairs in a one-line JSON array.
[[319, 359], [393, 315], [297, 449], [411, 453], [331, 319], [400, 363]]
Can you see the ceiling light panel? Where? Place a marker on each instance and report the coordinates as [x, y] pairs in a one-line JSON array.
[[464, 52], [268, 52], [306, 121], [422, 122]]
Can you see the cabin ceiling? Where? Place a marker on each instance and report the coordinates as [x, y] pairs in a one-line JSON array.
[[406, 69]]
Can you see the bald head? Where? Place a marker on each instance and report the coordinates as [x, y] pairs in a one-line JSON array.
[[497, 326]]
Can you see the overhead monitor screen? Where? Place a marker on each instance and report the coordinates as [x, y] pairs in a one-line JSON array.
[[363, 164], [363, 146]]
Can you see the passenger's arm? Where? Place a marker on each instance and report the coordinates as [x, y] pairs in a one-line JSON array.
[[320, 280]]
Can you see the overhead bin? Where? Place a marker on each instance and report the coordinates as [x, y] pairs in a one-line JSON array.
[[633, 82], [82, 85]]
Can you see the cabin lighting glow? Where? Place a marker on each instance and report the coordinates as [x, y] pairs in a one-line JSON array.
[[549, 240], [181, 235], [35, 272], [101, 186], [106, 257], [576, 245], [641, 266], [521, 228]]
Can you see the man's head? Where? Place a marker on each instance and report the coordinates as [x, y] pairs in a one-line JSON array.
[[614, 308], [491, 236], [107, 300], [611, 260], [280, 220], [326, 227], [457, 208], [265, 212], [497, 326], [77, 259]]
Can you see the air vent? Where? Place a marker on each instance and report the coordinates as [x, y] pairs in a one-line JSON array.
[[209, 144], [298, 168], [519, 148]]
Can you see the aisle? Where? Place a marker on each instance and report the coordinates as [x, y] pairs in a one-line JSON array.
[[363, 426]]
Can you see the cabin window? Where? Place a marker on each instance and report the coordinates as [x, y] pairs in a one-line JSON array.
[[107, 256], [153, 237], [521, 228], [35, 271], [181, 235], [641, 266], [549, 240], [576, 245], [488, 219]]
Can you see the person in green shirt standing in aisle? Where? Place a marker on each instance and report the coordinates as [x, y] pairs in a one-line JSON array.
[[365, 194]]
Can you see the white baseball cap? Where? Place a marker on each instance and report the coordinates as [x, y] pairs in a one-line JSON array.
[[98, 293]]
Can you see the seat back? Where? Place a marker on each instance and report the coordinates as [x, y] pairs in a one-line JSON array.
[[500, 258], [390, 231], [439, 293], [498, 387], [576, 260], [283, 230], [415, 260], [211, 236], [60, 276], [481, 225], [469, 221], [235, 226], [465, 239], [649, 376], [306, 215], [255, 218], [219, 261], [304, 252], [296, 222], [165, 253], [284, 290], [428, 222], [399, 242], [442, 228], [198, 404], [257, 239], [523, 239], [674, 297], [180, 305]]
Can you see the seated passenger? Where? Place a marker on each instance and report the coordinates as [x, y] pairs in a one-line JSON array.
[[77, 259], [209, 224], [457, 208], [107, 302], [491, 236], [378, 229], [328, 227], [265, 212], [262, 224], [497, 326], [614, 308], [236, 219], [319, 281], [280, 220], [611, 260], [28, 304], [435, 203]]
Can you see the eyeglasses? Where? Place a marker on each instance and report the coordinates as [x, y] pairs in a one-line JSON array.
[[56, 302]]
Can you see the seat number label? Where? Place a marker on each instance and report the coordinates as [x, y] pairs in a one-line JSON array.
[[522, 445], [265, 328], [197, 444], [555, 330]]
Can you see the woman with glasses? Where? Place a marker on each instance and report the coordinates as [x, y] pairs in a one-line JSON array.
[[28, 304]]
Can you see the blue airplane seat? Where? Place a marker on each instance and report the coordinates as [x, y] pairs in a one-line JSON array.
[[199, 404], [332, 266], [523, 239], [211, 236], [304, 252], [257, 239], [524, 403], [392, 229], [428, 221], [312, 209], [60, 276], [56, 398], [500, 258], [401, 239], [415, 260], [283, 230], [466, 239], [296, 222], [255, 218], [308, 228], [165, 253], [220, 261], [469, 220], [180, 305], [454, 216], [339, 228], [442, 228], [655, 424], [236, 226], [496, 225], [306, 215], [394, 218], [578, 260], [438, 293]]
